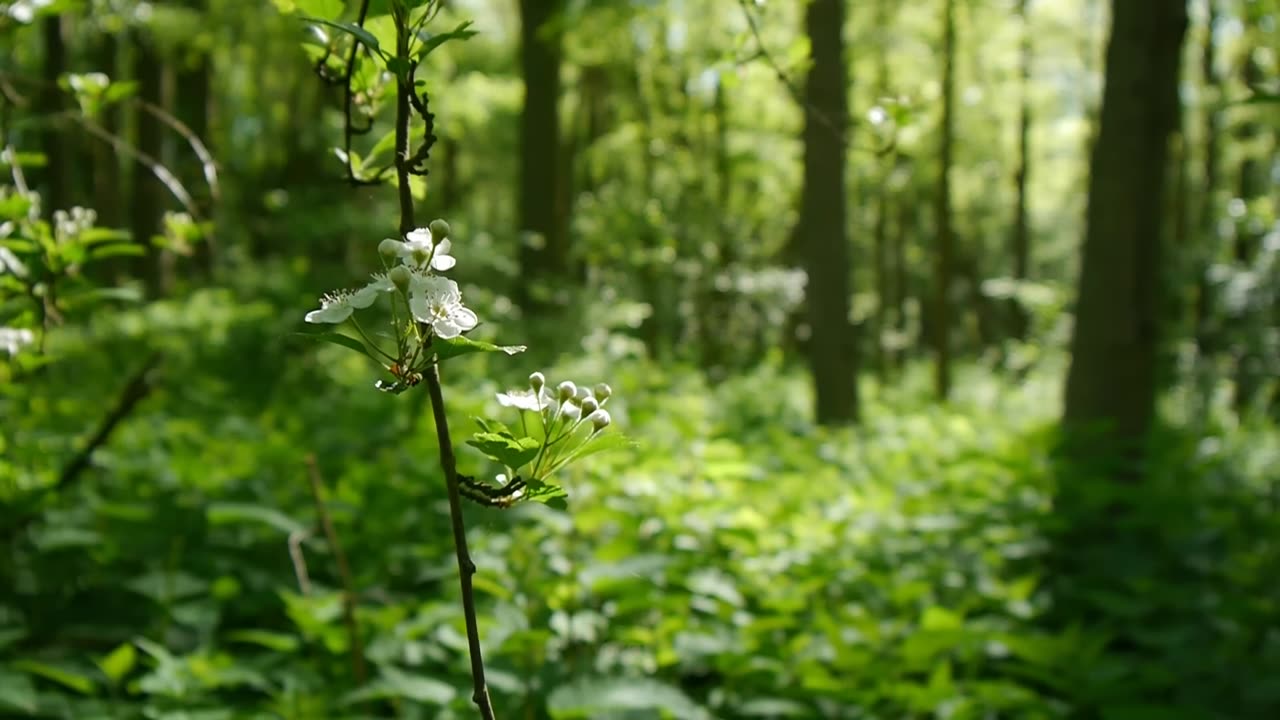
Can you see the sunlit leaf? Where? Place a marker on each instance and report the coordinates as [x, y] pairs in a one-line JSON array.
[[463, 345]]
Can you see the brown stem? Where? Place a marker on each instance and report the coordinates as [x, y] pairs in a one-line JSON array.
[[466, 568], [344, 571]]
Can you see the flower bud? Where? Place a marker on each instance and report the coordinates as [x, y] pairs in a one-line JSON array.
[[400, 277], [389, 248], [439, 229], [582, 394], [600, 419], [603, 391], [567, 390], [536, 381], [589, 405]]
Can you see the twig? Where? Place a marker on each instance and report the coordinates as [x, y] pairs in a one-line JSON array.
[[296, 538], [344, 571], [138, 387], [466, 568], [762, 52]]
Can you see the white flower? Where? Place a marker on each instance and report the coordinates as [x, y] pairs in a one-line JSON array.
[[337, 306], [14, 339], [419, 251], [436, 301], [526, 399]]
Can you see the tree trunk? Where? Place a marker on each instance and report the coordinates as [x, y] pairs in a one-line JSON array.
[[147, 204], [831, 349], [542, 251], [1248, 237], [53, 143], [1112, 379], [943, 261], [1207, 217], [1020, 244]]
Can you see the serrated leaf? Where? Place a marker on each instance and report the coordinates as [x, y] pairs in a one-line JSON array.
[[226, 513], [119, 662], [504, 448], [462, 345]]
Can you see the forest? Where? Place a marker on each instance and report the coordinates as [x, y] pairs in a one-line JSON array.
[[630, 359]]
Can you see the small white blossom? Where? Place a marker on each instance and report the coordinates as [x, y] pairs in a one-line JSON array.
[[419, 250], [535, 401], [436, 301], [567, 390], [14, 339], [337, 306]]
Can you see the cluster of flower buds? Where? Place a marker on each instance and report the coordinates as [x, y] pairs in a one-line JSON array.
[[569, 402], [70, 224]]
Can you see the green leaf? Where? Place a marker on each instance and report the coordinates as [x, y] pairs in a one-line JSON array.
[[345, 341], [280, 642], [119, 662], [432, 41], [117, 250], [505, 448], [600, 443], [315, 8], [600, 697], [228, 513], [17, 692], [70, 679], [354, 30], [395, 683], [462, 345]]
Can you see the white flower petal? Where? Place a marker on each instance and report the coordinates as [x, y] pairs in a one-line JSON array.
[[443, 262], [335, 313], [465, 318]]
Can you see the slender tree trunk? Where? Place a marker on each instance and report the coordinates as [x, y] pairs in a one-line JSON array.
[[1251, 184], [192, 100], [906, 224], [880, 242], [1020, 245], [943, 255], [55, 183], [1112, 380], [106, 165], [1207, 217], [542, 251], [832, 350], [146, 204]]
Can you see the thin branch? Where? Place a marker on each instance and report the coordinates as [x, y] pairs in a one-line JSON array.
[[448, 463], [344, 571], [797, 94], [138, 387], [296, 538], [208, 167], [348, 128]]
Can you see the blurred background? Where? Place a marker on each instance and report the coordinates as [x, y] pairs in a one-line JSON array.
[[947, 332]]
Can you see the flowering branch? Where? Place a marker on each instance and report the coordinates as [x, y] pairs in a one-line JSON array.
[[466, 568]]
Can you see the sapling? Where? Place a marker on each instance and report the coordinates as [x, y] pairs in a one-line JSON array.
[[430, 322]]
